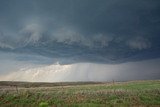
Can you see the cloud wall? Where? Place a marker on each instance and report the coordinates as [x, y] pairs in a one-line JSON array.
[[91, 40]]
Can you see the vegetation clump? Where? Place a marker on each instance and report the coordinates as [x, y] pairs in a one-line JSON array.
[[43, 104]]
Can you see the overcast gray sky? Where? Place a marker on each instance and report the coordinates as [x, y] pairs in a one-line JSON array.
[[38, 34]]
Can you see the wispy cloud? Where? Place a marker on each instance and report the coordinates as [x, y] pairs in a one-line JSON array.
[[139, 43], [3, 45], [32, 33]]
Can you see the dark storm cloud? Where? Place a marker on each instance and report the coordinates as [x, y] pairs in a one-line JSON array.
[[106, 31]]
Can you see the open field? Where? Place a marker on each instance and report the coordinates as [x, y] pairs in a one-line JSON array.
[[80, 94]]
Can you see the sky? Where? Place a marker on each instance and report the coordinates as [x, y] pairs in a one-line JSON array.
[[79, 40]]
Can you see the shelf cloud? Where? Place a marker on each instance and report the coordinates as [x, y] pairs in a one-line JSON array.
[[75, 33]]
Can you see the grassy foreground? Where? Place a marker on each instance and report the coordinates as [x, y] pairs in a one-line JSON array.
[[81, 94]]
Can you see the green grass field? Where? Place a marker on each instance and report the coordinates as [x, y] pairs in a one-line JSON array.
[[81, 94]]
